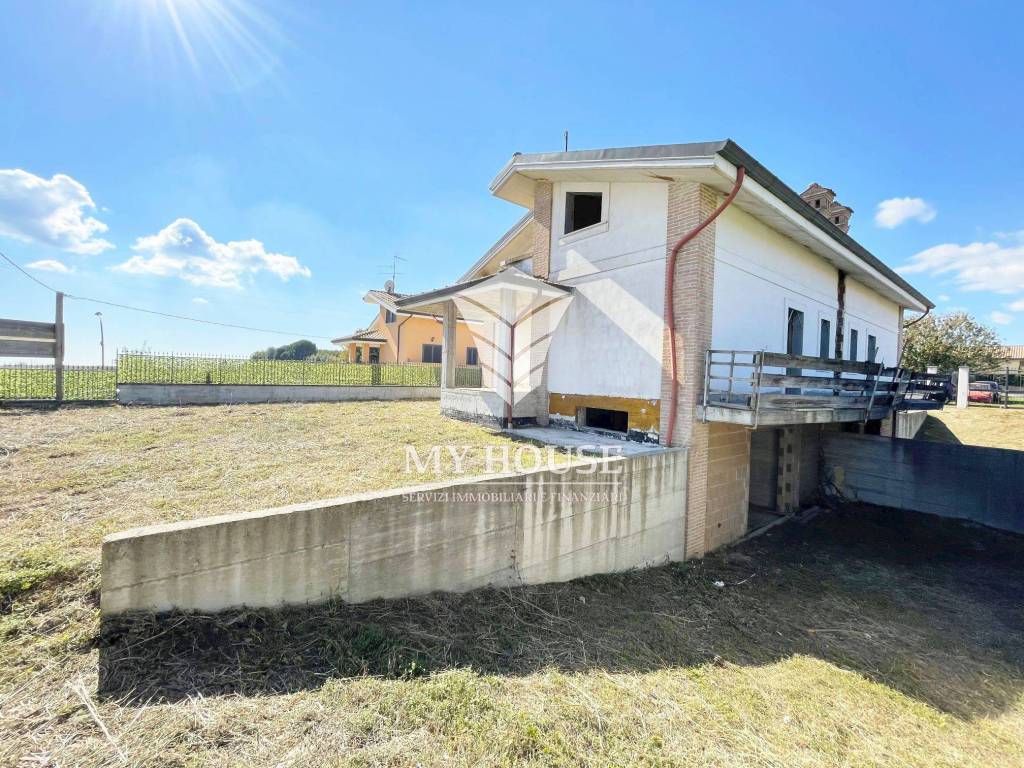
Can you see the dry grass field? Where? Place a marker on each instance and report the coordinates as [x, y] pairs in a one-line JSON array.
[[986, 425], [863, 637]]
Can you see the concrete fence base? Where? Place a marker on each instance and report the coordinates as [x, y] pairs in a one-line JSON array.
[[540, 526], [214, 394]]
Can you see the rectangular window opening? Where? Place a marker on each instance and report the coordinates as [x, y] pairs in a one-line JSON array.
[[872, 348], [431, 353], [582, 209], [472, 357], [389, 316], [374, 355], [826, 335], [604, 418], [853, 345]]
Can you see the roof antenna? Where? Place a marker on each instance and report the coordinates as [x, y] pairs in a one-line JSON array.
[[566, 141]]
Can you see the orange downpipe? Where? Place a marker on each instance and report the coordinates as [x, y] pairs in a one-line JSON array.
[[670, 285]]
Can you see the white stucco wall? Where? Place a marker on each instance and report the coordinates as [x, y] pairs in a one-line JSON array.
[[760, 274], [609, 342], [869, 313]]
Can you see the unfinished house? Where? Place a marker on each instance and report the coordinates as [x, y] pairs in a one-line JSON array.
[[680, 295]]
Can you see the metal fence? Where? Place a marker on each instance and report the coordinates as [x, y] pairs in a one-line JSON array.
[[95, 383], [146, 368], [82, 383]]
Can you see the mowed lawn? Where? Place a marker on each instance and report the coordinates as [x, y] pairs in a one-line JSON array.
[[862, 637], [985, 425]]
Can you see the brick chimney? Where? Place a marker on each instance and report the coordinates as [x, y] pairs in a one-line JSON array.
[[823, 200]]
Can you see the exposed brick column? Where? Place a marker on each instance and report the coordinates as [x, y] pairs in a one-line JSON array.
[[689, 204], [541, 229]]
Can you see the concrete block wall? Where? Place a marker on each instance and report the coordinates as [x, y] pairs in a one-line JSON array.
[[728, 490], [540, 526]]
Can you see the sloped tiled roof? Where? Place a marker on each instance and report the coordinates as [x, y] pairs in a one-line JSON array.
[[368, 334], [1013, 352]]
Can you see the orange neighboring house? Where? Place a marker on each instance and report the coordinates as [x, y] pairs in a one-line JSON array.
[[404, 336]]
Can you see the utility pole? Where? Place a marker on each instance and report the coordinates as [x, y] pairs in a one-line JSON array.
[[103, 350]]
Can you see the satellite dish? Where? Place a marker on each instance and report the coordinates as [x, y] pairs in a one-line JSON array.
[[389, 286]]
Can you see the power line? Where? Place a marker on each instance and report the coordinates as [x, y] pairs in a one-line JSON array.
[[31, 277], [155, 312]]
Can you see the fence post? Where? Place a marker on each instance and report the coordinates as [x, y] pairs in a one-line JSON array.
[[963, 386], [58, 348]]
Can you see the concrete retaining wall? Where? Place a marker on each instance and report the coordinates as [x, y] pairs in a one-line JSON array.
[[908, 424], [488, 407], [212, 394], [540, 526], [965, 481]]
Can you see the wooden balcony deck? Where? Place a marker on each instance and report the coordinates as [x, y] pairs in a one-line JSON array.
[[772, 389]]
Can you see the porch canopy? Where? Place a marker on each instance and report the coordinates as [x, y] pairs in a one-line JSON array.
[[512, 317]]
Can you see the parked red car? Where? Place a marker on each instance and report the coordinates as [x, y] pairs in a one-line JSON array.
[[983, 392]]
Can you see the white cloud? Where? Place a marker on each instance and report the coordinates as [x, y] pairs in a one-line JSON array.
[[976, 267], [182, 249], [50, 265], [199, 300], [943, 297], [1000, 318], [1017, 306], [50, 212], [898, 210]]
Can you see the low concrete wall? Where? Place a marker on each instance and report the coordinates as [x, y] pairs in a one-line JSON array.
[[488, 407], [541, 526], [908, 424], [213, 394], [965, 481]]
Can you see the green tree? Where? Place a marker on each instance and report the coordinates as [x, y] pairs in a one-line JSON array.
[[949, 341], [297, 350]]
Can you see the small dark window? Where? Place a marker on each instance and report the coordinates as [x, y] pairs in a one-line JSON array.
[[603, 418], [872, 348], [359, 354], [431, 353], [817, 203], [389, 316], [582, 209], [795, 332], [837, 219], [472, 358], [375, 355], [823, 342], [853, 344]]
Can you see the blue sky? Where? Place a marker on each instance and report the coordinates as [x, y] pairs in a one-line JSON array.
[[296, 147]]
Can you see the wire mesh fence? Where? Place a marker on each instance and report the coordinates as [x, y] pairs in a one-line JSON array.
[[147, 368], [95, 383], [82, 383]]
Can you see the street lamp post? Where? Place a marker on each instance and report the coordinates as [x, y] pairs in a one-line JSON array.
[[102, 345]]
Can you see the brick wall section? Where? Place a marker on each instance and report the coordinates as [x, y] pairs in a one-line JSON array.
[[688, 205], [728, 489], [541, 229]]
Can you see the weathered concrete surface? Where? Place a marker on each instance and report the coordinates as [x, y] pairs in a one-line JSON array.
[[908, 424], [540, 526], [488, 407], [213, 394], [964, 481]]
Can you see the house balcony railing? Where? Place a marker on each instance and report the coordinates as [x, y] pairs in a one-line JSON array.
[[771, 388]]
